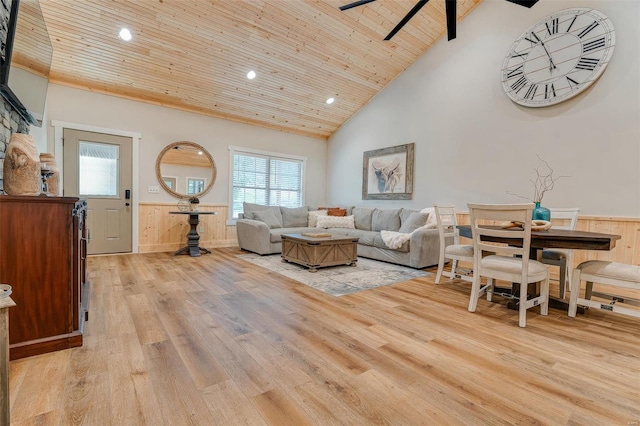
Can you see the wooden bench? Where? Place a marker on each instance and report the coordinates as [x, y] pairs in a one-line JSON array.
[[609, 273]]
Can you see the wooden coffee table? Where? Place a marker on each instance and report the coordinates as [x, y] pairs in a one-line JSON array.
[[319, 252]]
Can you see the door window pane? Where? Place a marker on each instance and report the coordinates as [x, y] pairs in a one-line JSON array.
[[98, 169]]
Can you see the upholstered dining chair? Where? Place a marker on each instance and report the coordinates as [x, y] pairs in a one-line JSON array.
[[448, 229], [506, 262], [563, 258]]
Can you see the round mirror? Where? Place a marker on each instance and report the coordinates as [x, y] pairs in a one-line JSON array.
[[185, 170]]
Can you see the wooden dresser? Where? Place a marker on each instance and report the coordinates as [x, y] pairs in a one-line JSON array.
[[43, 257]]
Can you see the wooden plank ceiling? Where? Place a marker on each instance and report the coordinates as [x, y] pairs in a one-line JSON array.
[[194, 55]]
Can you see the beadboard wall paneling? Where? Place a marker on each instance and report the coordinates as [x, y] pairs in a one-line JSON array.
[[162, 231], [627, 249]]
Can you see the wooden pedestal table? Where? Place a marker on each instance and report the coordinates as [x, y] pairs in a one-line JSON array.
[[193, 238], [319, 252]]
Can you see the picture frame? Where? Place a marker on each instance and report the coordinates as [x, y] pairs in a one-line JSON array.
[[387, 173]]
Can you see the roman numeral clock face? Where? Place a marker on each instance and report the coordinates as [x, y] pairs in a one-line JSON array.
[[558, 57]]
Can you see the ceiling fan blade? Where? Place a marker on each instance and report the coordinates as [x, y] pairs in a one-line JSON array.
[[525, 3], [451, 18], [355, 4], [406, 19]]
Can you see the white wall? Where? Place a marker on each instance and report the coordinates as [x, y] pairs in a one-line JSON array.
[[161, 126], [473, 143]]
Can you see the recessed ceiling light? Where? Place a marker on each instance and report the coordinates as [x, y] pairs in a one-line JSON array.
[[125, 34], [330, 101], [251, 75]]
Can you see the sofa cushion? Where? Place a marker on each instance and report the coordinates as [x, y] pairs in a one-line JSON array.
[[276, 234], [414, 221], [268, 217], [405, 213], [379, 243], [335, 222], [312, 219], [249, 208], [365, 237], [341, 232], [387, 220], [294, 217], [362, 216]]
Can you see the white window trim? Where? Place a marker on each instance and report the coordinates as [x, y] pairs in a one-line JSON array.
[[237, 149]]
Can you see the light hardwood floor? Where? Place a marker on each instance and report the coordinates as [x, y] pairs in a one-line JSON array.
[[217, 340]]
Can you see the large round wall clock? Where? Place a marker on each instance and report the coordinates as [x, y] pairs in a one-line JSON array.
[[558, 57]]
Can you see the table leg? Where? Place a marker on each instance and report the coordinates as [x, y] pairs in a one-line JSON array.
[[193, 239]]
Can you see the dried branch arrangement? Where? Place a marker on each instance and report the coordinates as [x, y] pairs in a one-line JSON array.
[[544, 182]]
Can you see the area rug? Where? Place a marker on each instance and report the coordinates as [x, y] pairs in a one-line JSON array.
[[339, 280]]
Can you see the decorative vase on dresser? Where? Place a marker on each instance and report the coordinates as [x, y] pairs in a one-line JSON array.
[[541, 213], [21, 172], [43, 258]]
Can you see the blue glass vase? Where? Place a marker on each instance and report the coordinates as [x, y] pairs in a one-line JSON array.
[[541, 213]]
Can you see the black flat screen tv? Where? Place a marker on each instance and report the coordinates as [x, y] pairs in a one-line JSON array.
[[25, 58]]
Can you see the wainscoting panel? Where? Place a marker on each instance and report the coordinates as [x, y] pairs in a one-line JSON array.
[[162, 231], [627, 249]]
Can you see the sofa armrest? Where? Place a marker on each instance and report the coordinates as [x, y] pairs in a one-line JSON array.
[[253, 235], [424, 247]]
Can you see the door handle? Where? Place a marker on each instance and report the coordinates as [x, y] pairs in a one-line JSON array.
[[127, 194], [127, 204]]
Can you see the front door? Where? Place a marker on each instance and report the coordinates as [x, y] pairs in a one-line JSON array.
[[97, 167]]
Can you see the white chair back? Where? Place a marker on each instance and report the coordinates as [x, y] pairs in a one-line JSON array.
[[450, 247], [511, 262], [500, 213], [447, 223], [562, 218], [569, 216]]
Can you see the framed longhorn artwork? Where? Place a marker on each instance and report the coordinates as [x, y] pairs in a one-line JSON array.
[[387, 173]]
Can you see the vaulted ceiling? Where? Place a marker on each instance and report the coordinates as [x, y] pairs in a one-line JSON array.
[[194, 54]]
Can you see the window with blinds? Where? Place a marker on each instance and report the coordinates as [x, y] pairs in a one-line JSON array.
[[266, 179]]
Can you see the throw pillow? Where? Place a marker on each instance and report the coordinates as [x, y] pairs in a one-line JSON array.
[[313, 217], [336, 211], [405, 213], [385, 220], [268, 217], [414, 221], [335, 222], [362, 217], [294, 217], [250, 208], [432, 222]]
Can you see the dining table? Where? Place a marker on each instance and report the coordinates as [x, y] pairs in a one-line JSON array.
[[557, 239]]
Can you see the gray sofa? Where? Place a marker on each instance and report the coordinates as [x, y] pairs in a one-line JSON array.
[[260, 228]]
